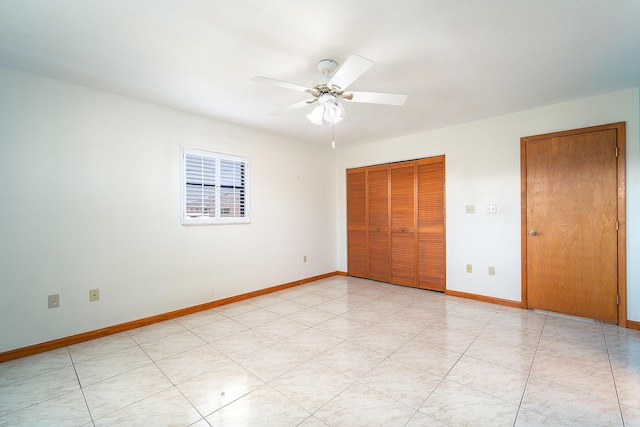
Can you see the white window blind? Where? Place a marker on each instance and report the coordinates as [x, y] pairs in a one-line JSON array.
[[215, 188]]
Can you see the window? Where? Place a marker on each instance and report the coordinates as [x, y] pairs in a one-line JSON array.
[[215, 188]]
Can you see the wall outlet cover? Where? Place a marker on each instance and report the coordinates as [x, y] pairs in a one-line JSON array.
[[54, 301]]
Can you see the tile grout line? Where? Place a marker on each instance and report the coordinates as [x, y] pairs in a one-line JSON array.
[[533, 360], [81, 387], [613, 376]]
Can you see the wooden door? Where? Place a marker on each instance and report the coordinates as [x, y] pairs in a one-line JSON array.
[[570, 229], [403, 205], [431, 223], [378, 222], [357, 222]]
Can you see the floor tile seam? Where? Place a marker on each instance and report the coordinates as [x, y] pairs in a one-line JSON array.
[[613, 375], [482, 391], [79, 387], [347, 375], [557, 420], [171, 335], [358, 381], [306, 358], [266, 384], [475, 338], [181, 351], [525, 327], [437, 345], [121, 373], [526, 383], [577, 389], [82, 361], [233, 357], [162, 337], [418, 411], [194, 326], [131, 404], [175, 386], [517, 329], [571, 340], [490, 308], [577, 363], [274, 320], [31, 377], [202, 416], [312, 413], [528, 350], [151, 362], [41, 402], [288, 314]]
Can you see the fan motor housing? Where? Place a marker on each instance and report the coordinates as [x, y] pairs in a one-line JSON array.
[[327, 66]]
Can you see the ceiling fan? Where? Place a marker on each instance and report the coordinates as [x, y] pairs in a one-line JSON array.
[[329, 90]]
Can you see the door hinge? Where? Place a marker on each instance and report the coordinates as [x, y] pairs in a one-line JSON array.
[[618, 299], [616, 151], [617, 225]]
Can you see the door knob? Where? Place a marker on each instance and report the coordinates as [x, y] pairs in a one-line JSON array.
[[533, 232]]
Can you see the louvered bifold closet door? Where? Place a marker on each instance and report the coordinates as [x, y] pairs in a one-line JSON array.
[[378, 222], [431, 223], [403, 206], [357, 222]]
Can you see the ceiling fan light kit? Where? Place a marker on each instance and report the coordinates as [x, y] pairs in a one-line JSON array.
[[329, 90]]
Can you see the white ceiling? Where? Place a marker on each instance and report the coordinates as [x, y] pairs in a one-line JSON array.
[[456, 60]]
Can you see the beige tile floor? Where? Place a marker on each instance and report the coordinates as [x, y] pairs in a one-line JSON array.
[[338, 352]]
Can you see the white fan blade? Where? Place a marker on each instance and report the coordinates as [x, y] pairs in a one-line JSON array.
[[353, 68], [378, 98], [280, 83], [290, 108]]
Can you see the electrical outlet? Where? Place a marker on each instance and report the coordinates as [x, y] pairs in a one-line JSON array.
[[304, 258], [492, 271], [469, 268], [94, 295], [54, 301]]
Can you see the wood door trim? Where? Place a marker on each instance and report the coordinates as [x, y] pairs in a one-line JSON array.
[[620, 128], [622, 225]]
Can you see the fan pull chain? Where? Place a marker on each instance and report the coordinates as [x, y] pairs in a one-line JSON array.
[[333, 130]]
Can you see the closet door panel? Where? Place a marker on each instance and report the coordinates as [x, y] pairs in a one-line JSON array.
[[378, 221], [431, 223], [357, 248], [403, 246], [356, 222]]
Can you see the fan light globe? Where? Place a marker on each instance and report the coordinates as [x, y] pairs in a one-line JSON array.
[[315, 116], [332, 113]]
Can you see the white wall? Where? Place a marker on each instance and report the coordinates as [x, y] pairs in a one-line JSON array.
[[89, 198], [483, 166]]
